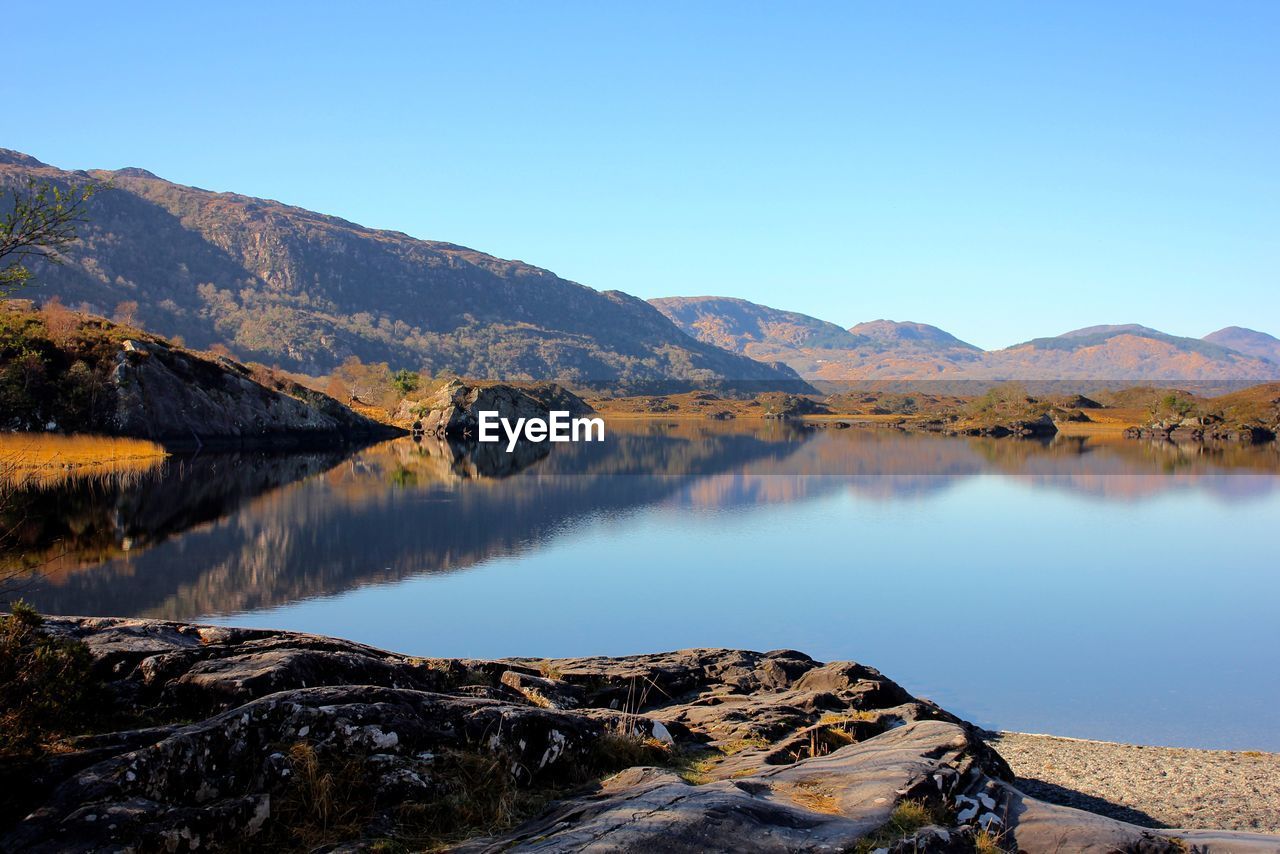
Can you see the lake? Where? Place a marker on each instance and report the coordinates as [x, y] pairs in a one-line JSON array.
[[1112, 589]]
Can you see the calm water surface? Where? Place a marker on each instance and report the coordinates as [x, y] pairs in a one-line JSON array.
[[1102, 589]]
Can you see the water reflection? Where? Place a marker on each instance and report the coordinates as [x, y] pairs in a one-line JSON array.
[[232, 533]]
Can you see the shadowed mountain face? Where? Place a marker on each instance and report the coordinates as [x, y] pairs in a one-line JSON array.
[[889, 350], [284, 285]]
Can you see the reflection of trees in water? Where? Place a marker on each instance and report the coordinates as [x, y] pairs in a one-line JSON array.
[[393, 510], [1128, 469], [66, 525], [262, 531]]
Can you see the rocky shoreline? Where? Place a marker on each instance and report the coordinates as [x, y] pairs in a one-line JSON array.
[[235, 739]]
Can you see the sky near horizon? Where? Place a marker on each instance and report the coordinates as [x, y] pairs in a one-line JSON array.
[[1002, 170]]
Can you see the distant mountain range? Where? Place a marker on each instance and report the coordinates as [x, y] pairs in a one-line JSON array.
[[303, 290], [286, 286], [889, 350]]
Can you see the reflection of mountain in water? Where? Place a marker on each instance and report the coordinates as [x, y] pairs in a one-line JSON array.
[[404, 508], [77, 523], [397, 509]]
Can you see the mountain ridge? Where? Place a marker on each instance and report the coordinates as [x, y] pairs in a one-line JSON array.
[[906, 350], [285, 285]]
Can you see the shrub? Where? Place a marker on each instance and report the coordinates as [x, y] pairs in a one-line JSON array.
[[406, 382], [46, 689]]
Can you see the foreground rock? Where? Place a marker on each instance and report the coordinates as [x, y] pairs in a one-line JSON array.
[[452, 411], [284, 741]]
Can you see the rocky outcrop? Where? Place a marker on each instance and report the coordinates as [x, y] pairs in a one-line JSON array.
[[68, 371], [697, 750], [1024, 428], [178, 398], [453, 410], [1202, 428], [952, 425], [784, 406]]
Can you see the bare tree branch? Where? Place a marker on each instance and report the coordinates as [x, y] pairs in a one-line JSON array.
[[40, 224]]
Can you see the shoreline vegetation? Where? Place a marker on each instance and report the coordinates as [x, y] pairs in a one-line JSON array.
[[49, 458], [68, 372], [143, 733]]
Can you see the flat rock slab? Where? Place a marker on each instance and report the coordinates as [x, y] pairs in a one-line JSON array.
[[693, 750], [824, 803]]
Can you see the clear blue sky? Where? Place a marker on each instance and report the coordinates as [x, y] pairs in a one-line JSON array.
[[1003, 170]]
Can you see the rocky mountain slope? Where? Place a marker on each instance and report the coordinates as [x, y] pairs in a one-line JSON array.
[[815, 348], [756, 330], [889, 350], [258, 739], [64, 371], [287, 286]]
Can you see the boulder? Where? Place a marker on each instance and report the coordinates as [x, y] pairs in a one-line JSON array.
[[781, 406], [452, 410]]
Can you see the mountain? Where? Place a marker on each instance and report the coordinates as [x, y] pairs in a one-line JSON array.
[[892, 333], [1124, 352], [817, 349], [757, 331], [889, 350], [1105, 331], [283, 285], [1248, 341]]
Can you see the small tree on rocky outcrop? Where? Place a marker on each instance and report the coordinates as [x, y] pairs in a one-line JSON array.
[[39, 223]]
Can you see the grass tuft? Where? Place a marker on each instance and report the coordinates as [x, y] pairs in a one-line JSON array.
[[326, 801], [908, 817]]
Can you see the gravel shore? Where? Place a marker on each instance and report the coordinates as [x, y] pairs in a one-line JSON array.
[[1149, 786]]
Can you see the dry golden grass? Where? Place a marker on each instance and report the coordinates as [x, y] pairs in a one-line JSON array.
[[1105, 422], [44, 459], [833, 719], [1075, 428], [327, 800], [987, 842], [854, 418], [374, 413], [741, 744], [907, 818], [815, 796]]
